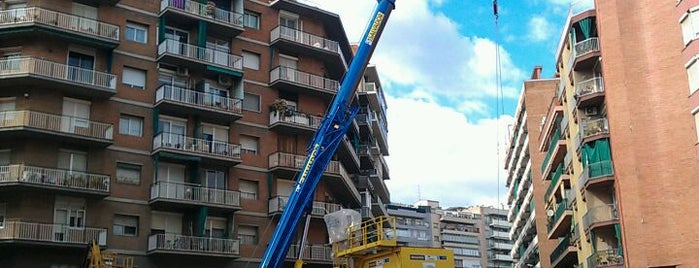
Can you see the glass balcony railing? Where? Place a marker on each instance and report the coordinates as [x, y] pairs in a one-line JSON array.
[[304, 38], [205, 11], [60, 178]]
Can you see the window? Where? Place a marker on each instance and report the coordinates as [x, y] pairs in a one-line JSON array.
[[249, 144], [131, 125], [693, 76], [2, 215], [69, 211], [251, 60], [248, 189], [696, 124], [215, 227], [4, 160], [247, 235], [125, 225], [690, 26], [251, 102], [134, 78], [128, 173], [215, 179], [136, 32], [251, 19], [72, 160], [77, 115]]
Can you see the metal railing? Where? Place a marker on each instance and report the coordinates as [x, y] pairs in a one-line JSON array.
[[207, 55], [38, 67], [601, 213], [295, 118], [605, 258], [311, 80], [298, 36], [375, 232], [278, 203], [68, 179], [589, 86], [554, 180], [194, 193], [56, 123], [197, 98], [592, 127], [586, 46], [204, 11], [552, 146], [59, 20], [560, 210], [561, 248], [52, 233], [199, 146], [295, 161], [311, 252], [596, 170], [193, 244]]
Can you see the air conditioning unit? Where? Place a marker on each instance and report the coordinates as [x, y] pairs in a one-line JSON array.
[[591, 111], [182, 71], [225, 80]]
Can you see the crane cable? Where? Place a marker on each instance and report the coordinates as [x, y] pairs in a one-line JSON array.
[[499, 105]]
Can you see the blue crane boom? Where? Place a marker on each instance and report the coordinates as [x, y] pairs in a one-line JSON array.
[[325, 141]]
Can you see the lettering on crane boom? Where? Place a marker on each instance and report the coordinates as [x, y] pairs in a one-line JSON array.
[[306, 169], [374, 29]]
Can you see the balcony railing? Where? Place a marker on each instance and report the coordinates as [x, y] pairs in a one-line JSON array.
[[207, 55], [194, 193], [60, 178], [301, 37], [598, 214], [287, 74], [52, 70], [605, 258], [590, 86], [552, 145], [58, 20], [596, 170], [288, 160], [586, 46], [560, 209], [193, 244], [52, 233], [295, 118], [563, 245], [204, 11], [594, 127], [182, 143], [555, 178], [311, 252], [278, 203], [56, 123], [199, 99]]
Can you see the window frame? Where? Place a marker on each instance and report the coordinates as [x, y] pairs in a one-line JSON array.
[[259, 102], [244, 194], [131, 166], [123, 226], [131, 82], [255, 237], [136, 27], [130, 119], [247, 14], [253, 151], [251, 54]]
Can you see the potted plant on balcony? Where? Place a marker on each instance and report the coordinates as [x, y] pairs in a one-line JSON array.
[[279, 106]]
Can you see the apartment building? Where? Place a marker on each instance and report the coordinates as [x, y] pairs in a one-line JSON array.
[[522, 156], [171, 131], [413, 225], [619, 138]]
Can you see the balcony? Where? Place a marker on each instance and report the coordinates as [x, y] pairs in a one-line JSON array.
[[23, 232], [600, 216], [498, 235], [186, 148], [379, 125], [182, 102], [193, 245], [586, 53], [500, 257], [199, 58], [175, 195], [606, 258], [565, 253], [189, 12], [16, 23], [555, 184], [499, 246], [288, 166], [54, 179], [320, 209], [303, 43], [349, 155], [31, 124], [294, 80], [294, 122], [594, 129], [374, 95], [29, 71], [596, 174], [500, 223], [555, 154], [559, 223], [590, 92], [312, 254]]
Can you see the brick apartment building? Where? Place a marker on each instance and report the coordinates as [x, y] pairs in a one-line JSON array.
[[618, 139], [172, 130]]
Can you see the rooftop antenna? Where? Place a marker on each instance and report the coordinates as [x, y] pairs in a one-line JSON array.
[[419, 196]]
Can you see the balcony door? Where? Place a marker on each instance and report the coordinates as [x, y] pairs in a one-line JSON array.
[[290, 26], [173, 133], [69, 219], [80, 67], [220, 51], [216, 97], [86, 19], [178, 41], [76, 116], [174, 87], [215, 138], [215, 227], [289, 68]]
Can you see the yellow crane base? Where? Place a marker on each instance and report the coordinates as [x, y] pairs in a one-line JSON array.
[[406, 257]]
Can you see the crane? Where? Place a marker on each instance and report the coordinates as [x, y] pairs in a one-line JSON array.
[[325, 141]]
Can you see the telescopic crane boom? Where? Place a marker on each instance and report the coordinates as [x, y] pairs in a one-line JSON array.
[[325, 141]]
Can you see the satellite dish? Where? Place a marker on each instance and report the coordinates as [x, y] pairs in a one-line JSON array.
[[549, 212]]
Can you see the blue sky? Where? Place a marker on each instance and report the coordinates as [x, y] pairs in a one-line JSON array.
[[436, 60]]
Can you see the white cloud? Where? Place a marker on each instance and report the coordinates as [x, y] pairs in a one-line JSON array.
[[540, 29], [437, 148]]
